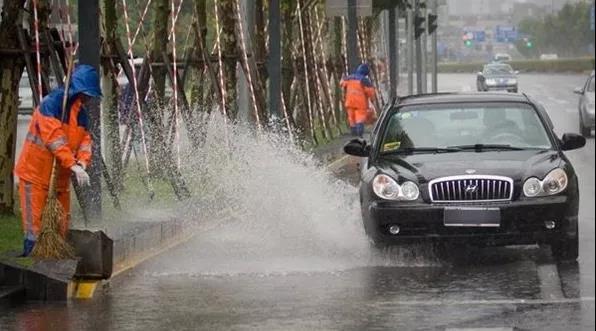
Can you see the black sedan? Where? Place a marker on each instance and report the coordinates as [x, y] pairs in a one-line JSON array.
[[483, 168], [497, 77]]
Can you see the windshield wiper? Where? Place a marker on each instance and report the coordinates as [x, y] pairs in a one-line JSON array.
[[412, 150], [481, 147]]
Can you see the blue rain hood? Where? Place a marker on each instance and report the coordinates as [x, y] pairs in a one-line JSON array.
[[362, 70], [84, 80], [361, 75]]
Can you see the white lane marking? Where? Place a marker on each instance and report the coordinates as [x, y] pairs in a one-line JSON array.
[[550, 282], [486, 302]]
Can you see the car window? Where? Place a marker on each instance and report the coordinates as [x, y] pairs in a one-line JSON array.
[[513, 124], [500, 69]]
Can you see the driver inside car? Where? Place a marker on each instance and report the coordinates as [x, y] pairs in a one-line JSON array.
[[496, 123]]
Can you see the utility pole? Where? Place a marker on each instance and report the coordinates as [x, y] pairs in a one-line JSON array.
[[418, 47], [89, 53], [432, 26], [352, 38], [410, 46], [424, 52], [397, 13], [393, 59], [274, 61]]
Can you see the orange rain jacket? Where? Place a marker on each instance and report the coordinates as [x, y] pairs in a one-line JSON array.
[[358, 89], [69, 141]]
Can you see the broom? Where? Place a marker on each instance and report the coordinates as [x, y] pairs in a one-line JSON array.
[[50, 244]]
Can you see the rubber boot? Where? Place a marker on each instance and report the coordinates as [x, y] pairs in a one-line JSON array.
[[28, 247]]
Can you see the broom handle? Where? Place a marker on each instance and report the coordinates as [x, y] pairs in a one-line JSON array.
[[55, 170]]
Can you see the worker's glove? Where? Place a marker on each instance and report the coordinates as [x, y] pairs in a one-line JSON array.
[[81, 175]]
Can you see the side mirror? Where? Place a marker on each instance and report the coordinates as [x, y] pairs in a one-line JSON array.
[[479, 73], [578, 90], [357, 147], [572, 141], [516, 72]]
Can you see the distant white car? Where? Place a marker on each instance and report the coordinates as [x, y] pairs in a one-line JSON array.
[[502, 57], [549, 57], [586, 106]]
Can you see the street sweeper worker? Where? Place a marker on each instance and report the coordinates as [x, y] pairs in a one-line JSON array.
[[52, 135], [358, 92]]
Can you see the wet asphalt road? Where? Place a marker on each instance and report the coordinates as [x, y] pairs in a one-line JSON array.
[[233, 278]]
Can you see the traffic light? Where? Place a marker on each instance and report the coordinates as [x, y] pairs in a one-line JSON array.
[[529, 43], [419, 26], [468, 39], [432, 23]]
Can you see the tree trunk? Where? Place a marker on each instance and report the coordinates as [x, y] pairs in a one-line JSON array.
[[110, 95], [161, 12], [229, 49], [260, 56], [155, 117], [338, 69], [11, 69], [198, 86], [287, 69]]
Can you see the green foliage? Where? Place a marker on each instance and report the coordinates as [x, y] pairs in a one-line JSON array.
[[567, 33], [11, 235]]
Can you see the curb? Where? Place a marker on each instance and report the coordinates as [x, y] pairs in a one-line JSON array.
[[127, 250]]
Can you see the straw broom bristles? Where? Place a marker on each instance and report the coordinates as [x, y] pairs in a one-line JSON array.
[[50, 244]]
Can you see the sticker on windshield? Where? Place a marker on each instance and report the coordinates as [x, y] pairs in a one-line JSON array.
[[391, 146]]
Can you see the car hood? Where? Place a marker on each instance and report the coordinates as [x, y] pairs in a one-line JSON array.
[[517, 165]]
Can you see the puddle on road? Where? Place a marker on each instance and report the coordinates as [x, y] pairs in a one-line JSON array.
[[264, 206]]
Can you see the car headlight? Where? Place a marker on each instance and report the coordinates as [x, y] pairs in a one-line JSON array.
[[555, 182], [387, 188], [512, 81], [491, 81]]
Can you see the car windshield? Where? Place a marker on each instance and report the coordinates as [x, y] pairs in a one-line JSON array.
[[498, 69], [453, 127]]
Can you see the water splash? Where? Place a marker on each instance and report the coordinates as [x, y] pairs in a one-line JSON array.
[[261, 205]]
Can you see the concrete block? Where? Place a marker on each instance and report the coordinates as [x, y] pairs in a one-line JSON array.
[[95, 250]]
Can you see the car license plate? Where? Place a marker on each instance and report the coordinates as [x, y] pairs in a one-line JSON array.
[[473, 217]]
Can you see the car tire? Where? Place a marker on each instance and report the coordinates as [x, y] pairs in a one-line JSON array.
[[566, 249], [586, 131]]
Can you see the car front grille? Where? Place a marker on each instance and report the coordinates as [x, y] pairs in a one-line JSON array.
[[471, 188]]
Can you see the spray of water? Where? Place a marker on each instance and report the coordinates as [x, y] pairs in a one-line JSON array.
[[261, 205]]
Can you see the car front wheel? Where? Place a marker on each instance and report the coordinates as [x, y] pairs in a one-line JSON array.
[[586, 131], [565, 249]]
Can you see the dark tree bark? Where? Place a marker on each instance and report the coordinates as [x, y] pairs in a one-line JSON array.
[[11, 69], [230, 54], [110, 92]]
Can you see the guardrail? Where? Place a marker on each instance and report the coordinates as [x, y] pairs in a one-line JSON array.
[[560, 65]]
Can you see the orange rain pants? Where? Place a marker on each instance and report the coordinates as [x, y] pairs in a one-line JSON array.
[[32, 199], [356, 115]]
